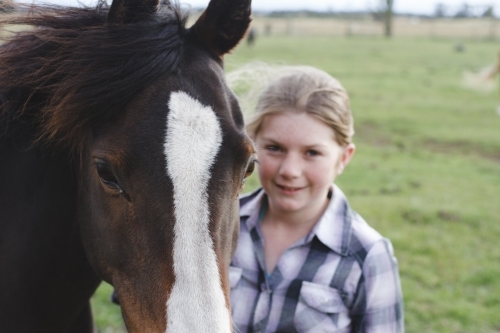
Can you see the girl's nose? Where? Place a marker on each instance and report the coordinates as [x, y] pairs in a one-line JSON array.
[[290, 167]]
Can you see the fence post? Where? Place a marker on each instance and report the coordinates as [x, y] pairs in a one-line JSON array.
[[493, 27]]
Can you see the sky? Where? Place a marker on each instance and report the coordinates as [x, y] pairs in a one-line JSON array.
[[402, 6]]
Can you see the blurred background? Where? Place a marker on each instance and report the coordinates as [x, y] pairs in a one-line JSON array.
[[421, 77]]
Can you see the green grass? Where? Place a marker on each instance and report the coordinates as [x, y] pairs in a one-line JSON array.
[[426, 173]]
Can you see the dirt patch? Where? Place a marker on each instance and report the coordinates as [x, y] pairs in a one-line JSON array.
[[418, 217], [448, 216], [390, 190], [463, 148], [369, 132]]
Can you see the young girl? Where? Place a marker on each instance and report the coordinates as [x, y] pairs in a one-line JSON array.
[[306, 262]]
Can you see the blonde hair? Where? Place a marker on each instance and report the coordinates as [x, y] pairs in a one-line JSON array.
[[301, 89]]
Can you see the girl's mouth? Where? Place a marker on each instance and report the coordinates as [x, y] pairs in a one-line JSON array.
[[288, 189]]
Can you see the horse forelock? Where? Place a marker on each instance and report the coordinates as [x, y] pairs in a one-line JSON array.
[[74, 70], [193, 138]]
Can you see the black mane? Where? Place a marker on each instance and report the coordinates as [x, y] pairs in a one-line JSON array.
[[73, 69]]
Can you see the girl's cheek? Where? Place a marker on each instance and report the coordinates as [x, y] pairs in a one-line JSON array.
[[265, 170], [262, 167], [325, 175], [265, 162]]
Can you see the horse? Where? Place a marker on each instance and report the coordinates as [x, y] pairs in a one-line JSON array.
[[484, 79], [122, 154]]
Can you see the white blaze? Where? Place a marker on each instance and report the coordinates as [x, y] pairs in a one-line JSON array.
[[197, 302]]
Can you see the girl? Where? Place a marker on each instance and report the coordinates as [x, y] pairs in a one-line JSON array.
[[305, 261]]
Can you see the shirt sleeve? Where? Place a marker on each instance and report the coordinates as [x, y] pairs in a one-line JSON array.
[[378, 304]]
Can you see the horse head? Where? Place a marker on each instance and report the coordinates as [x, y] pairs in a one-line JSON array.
[[158, 207]]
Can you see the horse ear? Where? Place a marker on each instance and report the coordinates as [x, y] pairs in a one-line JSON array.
[[127, 11], [223, 24]]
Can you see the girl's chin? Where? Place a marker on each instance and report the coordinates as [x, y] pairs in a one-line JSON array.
[[288, 205]]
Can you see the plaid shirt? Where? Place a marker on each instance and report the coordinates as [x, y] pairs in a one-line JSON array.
[[341, 277]]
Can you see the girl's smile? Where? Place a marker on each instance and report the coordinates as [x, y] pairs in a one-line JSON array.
[[289, 190]]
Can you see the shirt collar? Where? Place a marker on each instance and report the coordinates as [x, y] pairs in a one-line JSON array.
[[250, 207], [333, 228]]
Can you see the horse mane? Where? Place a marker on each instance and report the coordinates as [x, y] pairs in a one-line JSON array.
[[71, 69]]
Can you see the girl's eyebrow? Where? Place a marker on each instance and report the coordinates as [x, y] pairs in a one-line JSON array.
[[312, 146], [316, 144], [269, 140]]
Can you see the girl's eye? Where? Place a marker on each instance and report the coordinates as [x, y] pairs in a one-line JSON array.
[[107, 176], [273, 148], [312, 153]]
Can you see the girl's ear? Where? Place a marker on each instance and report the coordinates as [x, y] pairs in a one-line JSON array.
[[345, 157]]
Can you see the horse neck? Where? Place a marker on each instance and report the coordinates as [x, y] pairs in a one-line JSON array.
[[42, 255]]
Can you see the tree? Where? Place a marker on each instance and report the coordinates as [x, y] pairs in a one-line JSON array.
[[464, 11], [440, 10], [488, 12], [388, 4], [6, 6]]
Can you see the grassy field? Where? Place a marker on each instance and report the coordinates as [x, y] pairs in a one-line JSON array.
[[426, 173]]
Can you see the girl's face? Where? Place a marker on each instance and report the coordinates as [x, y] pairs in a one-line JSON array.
[[299, 159]]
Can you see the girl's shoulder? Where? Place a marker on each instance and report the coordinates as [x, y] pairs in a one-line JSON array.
[[346, 218], [364, 232], [366, 242]]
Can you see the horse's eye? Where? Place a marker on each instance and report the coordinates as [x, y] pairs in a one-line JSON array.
[[249, 170], [250, 167], [107, 176]]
